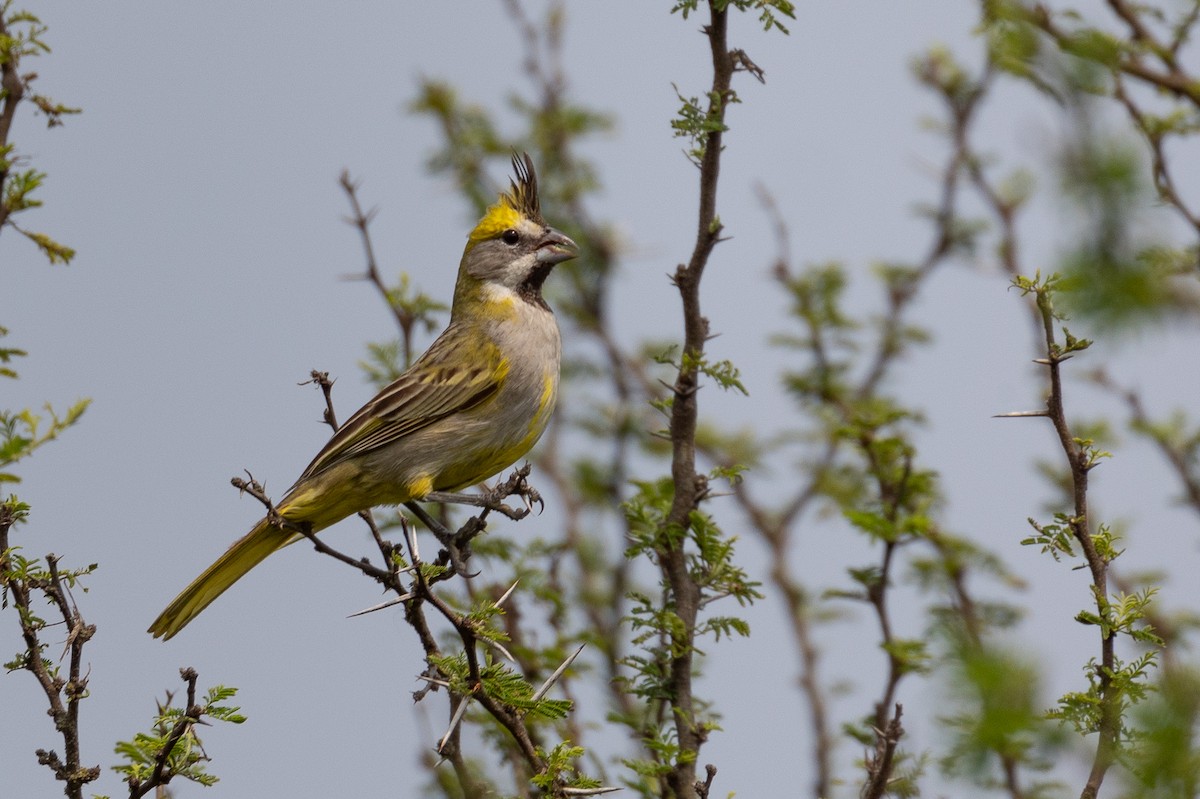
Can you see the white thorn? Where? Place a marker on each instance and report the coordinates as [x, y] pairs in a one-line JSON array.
[[459, 712], [411, 534], [434, 680], [502, 651], [557, 673], [381, 605], [507, 594]]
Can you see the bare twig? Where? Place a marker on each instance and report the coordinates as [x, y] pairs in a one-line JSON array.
[[882, 761], [362, 222], [703, 788], [322, 381]]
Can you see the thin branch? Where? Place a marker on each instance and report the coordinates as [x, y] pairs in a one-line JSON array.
[[162, 773], [1164, 182], [361, 221], [704, 788], [323, 382], [419, 593], [1176, 456], [56, 689], [1080, 525], [688, 486], [882, 762]]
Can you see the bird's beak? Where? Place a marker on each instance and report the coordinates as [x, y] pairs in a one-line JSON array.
[[554, 248]]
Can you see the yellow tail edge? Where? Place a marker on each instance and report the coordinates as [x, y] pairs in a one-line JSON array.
[[246, 553]]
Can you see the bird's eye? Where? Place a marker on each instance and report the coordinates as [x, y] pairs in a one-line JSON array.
[[510, 237]]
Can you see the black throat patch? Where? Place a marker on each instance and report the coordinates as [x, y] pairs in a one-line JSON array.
[[530, 289]]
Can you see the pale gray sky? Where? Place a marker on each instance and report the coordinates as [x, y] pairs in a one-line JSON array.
[[199, 188]]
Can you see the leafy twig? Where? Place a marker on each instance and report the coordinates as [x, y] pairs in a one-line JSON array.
[[21, 579]]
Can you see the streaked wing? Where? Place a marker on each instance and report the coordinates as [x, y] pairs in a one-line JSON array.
[[430, 390]]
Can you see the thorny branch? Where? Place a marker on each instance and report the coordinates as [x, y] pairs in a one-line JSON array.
[[1080, 524], [418, 593], [881, 762], [361, 221], [62, 695], [192, 715], [689, 486]]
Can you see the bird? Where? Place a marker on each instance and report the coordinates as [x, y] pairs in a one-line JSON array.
[[473, 404]]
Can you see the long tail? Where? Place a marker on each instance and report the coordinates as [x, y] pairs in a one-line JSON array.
[[240, 558]]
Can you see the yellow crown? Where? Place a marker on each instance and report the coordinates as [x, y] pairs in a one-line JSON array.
[[521, 200]]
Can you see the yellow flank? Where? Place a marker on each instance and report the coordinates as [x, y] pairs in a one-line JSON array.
[[418, 487], [545, 405], [499, 218], [320, 507], [301, 504], [549, 385]]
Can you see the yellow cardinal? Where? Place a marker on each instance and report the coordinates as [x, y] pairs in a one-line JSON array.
[[472, 405]]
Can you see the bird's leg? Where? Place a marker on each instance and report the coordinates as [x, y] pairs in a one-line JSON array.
[[455, 498], [456, 545], [492, 499]]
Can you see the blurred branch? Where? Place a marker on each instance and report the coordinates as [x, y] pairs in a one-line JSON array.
[[13, 90], [1167, 75], [842, 410], [405, 318], [1156, 136], [21, 37], [1179, 448], [603, 581]]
